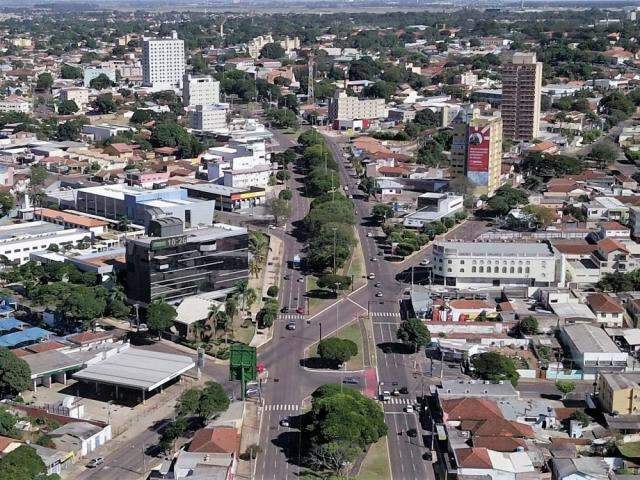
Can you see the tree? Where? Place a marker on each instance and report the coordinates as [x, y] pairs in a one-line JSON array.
[[528, 326], [565, 387], [283, 175], [272, 291], [198, 64], [603, 153], [285, 194], [15, 374], [67, 107], [101, 82], [160, 316], [105, 104], [69, 130], [213, 400], [8, 423], [272, 50], [7, 202], [280, 209], [337, 350], [581, 417], [329, 280], [282, 118], [85, 304], [44, 82], [332, 456], [382, 211], [414, 333], [170, 134], [495, 366], [69, 72], [23, 463]]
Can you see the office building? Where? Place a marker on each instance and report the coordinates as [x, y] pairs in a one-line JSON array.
[[229, 199], [521, 87], [485, 264], [239, 165], [200, 90], [142, 205], [476, 152], [343, 110], [176, 264], [163, 61], [433, 207], [619, 392], [592, 350], [209, 117]]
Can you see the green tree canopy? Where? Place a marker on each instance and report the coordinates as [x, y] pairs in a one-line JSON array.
[[104, 103], [67, 107], [337, 350], [495, 366], [413, 332], [15, 374], [160, 316], [101, 82], [528, 325], [272, 51], [45, 81], [69, 72]]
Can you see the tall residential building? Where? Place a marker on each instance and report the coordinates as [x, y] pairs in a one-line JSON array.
[[200, 90], [163, 61], [209, 118], [240, 165], [476, 152], [343, 108], [521, 86]]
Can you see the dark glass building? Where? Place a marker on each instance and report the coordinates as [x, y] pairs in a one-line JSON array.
[[171, 267]]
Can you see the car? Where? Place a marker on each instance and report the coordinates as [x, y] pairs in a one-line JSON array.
[[95, 462], [351, 196], [409, 409], [385, 396], [286, 277], [251, 392], [425, 262], [350, 380], [378, 294], [272, 227], [377, 285], [372, 276], [291, 326], [404, 390], [284, 422], [300, 279], [284, 310], [395, 392], [369, 234], [380, 253], [373, 259], [412, 432], [300, 310]]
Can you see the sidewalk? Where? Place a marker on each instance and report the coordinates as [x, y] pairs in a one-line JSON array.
[[250, 435], [272, 271]]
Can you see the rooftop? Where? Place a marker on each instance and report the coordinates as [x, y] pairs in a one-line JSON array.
[[589, 338], [503, 249]]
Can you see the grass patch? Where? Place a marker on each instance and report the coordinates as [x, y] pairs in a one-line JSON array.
[[349, 332], [317, 295], [357, 266], [376, 463], [242, 331], [630, 450]]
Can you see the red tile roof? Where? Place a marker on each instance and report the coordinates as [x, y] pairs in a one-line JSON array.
[[608, 245], [471, 304], [473, 458], [216, 440], [44, 346], [470, 409], [88, 337], [614, 226], [601, 302], [499, 444], [6, 442], [500, 427]]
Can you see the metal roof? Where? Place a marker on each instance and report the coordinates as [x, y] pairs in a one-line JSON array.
[[30, 335], [10, 323], [137, 368]]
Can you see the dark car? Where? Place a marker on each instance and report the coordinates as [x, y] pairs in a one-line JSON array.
[[412, 432], [351, 380], [284, 310]]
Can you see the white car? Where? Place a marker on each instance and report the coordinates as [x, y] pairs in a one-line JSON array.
[[272, 227], [425, 262], [369, 234], [372, 276], [409, 409], [95, 462]]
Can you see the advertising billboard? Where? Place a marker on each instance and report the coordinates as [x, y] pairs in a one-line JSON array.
[[478, 141]]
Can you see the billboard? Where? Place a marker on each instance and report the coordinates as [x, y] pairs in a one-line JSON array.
[[478, 141]]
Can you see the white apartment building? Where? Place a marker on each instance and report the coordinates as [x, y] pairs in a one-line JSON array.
[[433, 207], [209, 117], [485, 264], [200, 90], [239, 165], [18, 241], [14, 103], [163, 62], [76, 94], [342, 107]]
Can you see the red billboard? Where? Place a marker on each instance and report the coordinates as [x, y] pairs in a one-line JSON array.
[[478, 149]]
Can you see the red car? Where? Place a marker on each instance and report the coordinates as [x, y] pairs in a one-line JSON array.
[[300, 310]]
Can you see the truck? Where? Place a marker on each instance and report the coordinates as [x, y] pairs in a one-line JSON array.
[[297, 261]]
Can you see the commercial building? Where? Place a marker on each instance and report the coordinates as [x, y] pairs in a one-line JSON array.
[[102, 131], [200, 90], [521, 87], [469, 264], [433, 207], [476, 152], [592, 351], [240, 165], [176, 264], [163, 62], [18, 241], [228, 199], [343, 108], [78, 95], [619, 392], [209, 117], [141, 205]]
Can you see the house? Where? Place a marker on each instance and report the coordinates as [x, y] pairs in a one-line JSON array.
[[581, 468], [608, 310], [216, 440], [212, 466], [80, 437]]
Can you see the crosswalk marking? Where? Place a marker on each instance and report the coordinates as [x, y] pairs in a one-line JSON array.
[[386, 314], [401, 401], [281, 407], [289, 316]]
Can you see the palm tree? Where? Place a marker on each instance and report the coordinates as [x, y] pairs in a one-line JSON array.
[[198, 329], [258, 246], [215, 311], [240, 289], [254, 268], [250, 298], [123, 224], [231, 306]]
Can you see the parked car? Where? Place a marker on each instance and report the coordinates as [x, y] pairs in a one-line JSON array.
[[351, 380], [377, 285], [378, 294], [284, 422], [409, 409], [95, 462], [372, 276], [300, 310], [291, 326]]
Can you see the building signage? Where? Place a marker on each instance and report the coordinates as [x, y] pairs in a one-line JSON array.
[[168, 242], [478, 143]]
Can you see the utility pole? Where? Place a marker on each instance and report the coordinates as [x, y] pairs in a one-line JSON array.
[[310, 86], [334, 248]]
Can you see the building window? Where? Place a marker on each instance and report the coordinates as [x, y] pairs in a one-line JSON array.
[[527, 270], [473, 269], [462, 270], [519, 269], [461, 262], [511, 270], [449, 270], [481, 270], [504, 269]]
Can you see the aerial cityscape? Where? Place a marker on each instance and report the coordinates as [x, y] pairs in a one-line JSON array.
[[309, 240]]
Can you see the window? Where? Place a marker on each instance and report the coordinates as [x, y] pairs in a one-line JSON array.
[[504, 269], [462, 270], [519, 269], [449, 270], [527, 270], [449, 262], [511, 270], [473, 269], [461, 262], [481, 270]]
